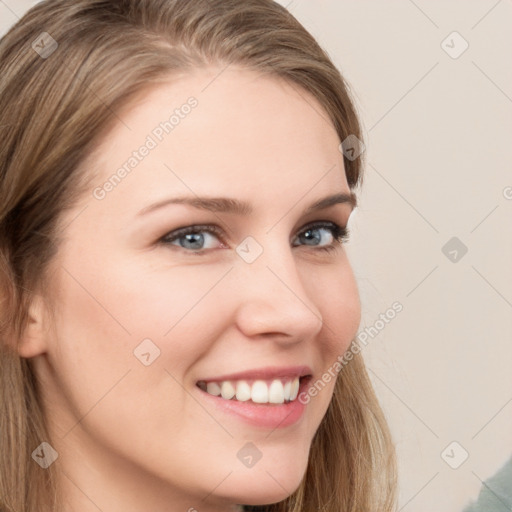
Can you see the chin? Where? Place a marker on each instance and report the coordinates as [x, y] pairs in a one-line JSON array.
[[265, 497], [265, 486]]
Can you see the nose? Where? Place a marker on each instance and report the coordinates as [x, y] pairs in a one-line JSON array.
[[272, 298]]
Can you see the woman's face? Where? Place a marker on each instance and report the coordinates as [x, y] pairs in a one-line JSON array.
[[143, 314]]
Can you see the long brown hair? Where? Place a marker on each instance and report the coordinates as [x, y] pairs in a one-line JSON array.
[[66, 68]]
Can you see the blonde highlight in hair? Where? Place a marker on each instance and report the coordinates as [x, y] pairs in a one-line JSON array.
[[53, 112]]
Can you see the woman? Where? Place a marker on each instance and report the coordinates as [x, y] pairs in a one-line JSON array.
[[176, 299]]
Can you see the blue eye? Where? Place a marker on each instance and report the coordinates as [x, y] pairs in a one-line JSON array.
[[338, 234], [194, 238]]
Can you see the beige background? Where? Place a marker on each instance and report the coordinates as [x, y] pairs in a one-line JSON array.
[[438, 137]]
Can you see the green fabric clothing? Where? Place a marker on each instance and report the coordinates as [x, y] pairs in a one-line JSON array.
[[496, 492]]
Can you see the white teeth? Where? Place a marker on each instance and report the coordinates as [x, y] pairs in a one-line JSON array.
[[276, 391], [227, 390], [243, 391], [294, 389], [287, 388], [213, 388], [259, 392]]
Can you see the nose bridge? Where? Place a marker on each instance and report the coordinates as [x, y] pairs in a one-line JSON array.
[[273, 296]]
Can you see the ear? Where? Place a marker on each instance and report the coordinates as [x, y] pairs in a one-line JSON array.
[[34, 339]]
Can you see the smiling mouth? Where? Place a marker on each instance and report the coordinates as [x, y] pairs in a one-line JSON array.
[[258, 391]]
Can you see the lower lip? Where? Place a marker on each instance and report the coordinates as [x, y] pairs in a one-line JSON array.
[[261, 415]]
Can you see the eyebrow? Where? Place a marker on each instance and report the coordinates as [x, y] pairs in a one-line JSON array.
[[237, 207]]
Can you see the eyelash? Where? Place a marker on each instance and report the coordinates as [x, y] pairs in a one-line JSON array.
[[340, 235]]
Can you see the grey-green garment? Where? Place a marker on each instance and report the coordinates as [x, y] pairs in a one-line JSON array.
[[496, 493]]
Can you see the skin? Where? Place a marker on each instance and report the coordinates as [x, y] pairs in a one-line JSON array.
[[132, 437]]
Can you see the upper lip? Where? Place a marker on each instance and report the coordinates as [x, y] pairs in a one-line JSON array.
[[269, 372]]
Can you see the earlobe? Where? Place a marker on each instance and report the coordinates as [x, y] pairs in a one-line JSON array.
[[33, 341]]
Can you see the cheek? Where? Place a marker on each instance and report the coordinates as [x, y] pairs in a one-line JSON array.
[[178, 308], [337, 298], [125, 304], [105, 319], [101, 322]]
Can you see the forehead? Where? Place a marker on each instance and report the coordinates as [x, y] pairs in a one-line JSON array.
[[214, 131]]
